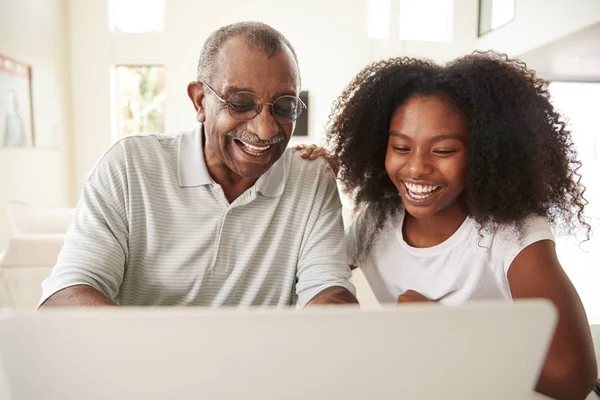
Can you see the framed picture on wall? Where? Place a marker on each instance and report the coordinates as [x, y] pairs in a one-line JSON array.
[[494, 14], [16, 114], [302, 121]]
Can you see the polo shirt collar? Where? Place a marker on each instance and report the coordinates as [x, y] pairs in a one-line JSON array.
[[193, 172]]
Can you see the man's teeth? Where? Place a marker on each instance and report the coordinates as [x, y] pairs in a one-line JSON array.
[[420, 189], [256, 148]]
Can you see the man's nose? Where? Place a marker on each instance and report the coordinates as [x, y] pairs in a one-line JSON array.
[[264, 124]]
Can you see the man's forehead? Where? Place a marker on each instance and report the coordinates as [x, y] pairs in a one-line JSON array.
[[238, 65]]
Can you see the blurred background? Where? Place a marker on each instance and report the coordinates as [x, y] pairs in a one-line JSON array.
[[77, 75]]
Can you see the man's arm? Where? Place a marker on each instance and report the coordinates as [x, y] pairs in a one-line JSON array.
[[323, 275], [91, 265], [77, 296]]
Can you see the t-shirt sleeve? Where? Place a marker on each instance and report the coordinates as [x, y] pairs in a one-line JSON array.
[[96, 245], [352, 238], [322, 261], [535, 229]]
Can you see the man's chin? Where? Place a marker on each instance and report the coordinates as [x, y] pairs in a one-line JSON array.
[[249, 170], [249, 166]]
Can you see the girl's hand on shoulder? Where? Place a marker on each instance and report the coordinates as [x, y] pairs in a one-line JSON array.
[[312, 152]]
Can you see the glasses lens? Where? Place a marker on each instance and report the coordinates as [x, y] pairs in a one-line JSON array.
[[287, 108], [244, 105]]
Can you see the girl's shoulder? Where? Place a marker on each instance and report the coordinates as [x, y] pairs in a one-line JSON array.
[[532, 229], [506, 241]]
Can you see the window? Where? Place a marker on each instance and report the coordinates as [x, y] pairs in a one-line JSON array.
[[378, 19], [426, 20], [581, 261], [138, 99], [495, 13], [136, 16]]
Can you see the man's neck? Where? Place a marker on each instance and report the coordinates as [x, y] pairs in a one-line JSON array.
[[233, 188], [232, 184]]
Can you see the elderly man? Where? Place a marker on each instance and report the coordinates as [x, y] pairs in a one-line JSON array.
[[220, 216]]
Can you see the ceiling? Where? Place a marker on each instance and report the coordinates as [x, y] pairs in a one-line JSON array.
[[575, 57]]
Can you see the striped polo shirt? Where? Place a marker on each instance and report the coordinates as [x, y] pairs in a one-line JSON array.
[[153, 228]]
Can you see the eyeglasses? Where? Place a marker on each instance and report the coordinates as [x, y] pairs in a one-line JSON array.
[[246, 105]]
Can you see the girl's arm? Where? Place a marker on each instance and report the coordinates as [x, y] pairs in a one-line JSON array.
[[569, 371]]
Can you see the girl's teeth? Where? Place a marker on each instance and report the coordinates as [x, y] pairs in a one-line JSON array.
[[421, 189], [419, 196]]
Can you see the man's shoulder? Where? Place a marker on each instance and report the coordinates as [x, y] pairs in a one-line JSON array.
[[147, 145], [310, 180], [139, 150], [149, 141], [305, 169]]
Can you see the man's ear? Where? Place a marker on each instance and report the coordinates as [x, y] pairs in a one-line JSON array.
[[196, 94]]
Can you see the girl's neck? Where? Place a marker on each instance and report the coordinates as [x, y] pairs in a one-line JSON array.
[[433, 230]]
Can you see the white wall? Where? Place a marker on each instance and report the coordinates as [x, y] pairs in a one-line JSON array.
[[329, 37], [536, 23], [464, 35], [579, 258], [35, 32], [331, 43], [539, 22]]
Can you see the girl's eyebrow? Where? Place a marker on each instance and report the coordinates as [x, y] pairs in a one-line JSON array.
[[448, 136]]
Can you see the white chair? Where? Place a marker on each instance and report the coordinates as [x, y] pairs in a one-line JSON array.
[[38, 236], [26, 219]]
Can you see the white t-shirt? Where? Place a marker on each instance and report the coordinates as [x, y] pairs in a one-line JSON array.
[[467, 266]]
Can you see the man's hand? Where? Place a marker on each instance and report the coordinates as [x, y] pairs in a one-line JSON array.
[[333, 295], [410, 296], [312, 152]]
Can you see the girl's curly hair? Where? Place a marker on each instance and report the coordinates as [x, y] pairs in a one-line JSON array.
[[521, 159]]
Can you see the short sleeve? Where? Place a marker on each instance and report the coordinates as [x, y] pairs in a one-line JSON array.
[[511, 244], [352, 238], [322, 259], [96, 245]]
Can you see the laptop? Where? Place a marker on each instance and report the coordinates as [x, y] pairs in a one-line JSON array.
[[417, 351]]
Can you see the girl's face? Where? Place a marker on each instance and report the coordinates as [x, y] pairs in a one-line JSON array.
[[426, 157]]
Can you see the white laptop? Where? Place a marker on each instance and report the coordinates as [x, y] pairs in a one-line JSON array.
[[481, 351]]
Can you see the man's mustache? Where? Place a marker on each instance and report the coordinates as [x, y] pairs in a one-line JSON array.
[[253, 139]]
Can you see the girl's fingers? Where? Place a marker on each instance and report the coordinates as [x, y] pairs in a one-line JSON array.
[[309, 151]]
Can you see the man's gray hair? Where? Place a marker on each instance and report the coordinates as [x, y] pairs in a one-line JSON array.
[[256, 36]]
